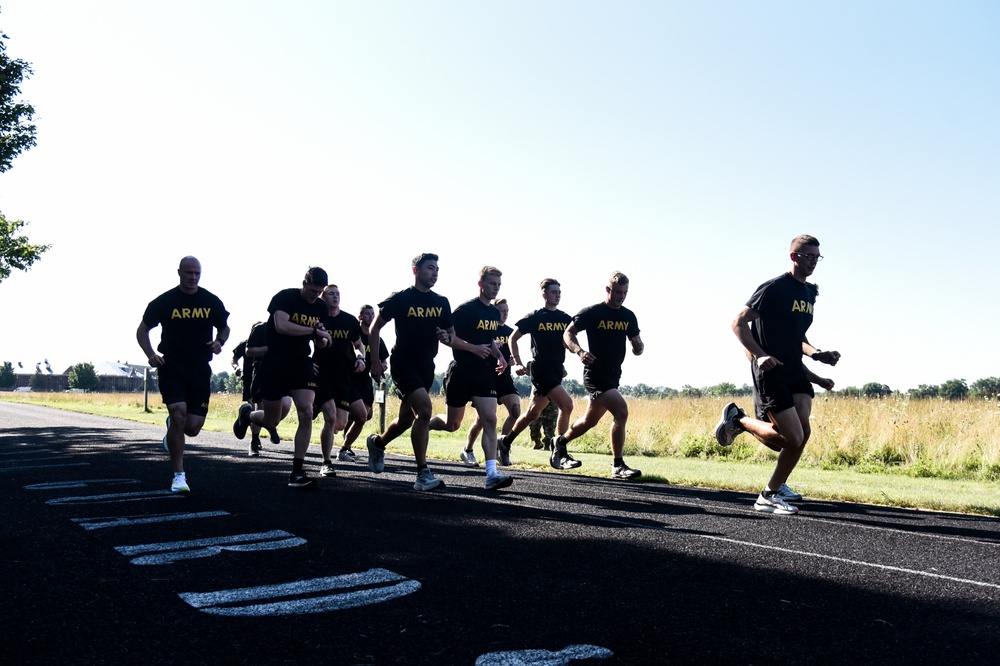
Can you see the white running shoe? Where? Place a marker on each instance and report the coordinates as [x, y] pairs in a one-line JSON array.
[[469, 458], [789, 495], [180, 485], [426, 481], [775, 505]]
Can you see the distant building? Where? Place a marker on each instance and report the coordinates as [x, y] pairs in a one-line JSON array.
[[114, 377]]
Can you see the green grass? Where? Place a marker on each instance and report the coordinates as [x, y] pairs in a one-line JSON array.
[[872, 477]]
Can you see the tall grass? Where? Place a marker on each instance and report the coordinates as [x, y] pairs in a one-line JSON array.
[[894, 435]]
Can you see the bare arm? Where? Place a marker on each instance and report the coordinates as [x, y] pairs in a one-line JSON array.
[[813, 352], [284, 325], [637, 345], [570, 339], [375, 342], [741, 327], [142, 337], [515, 353], [220, 339], [359, 362], [822, 382]]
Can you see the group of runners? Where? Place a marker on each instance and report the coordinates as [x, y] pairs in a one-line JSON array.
[[311, 355]]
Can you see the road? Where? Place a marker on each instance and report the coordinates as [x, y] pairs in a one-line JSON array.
[[103, 565]]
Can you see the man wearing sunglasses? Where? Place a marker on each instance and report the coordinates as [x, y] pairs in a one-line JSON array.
[[772, 329]]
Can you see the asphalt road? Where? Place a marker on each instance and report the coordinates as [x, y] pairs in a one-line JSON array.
[[101, 564]]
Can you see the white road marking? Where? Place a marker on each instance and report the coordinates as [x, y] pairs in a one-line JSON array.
[[544, 657], [83, 483], [125, 521], [844, 560], [117, 497], [18, 468], [173, 551], [363, 593]]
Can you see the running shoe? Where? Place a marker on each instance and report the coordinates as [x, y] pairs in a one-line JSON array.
[[624, 472], [469, 458], [346, 455], [498, 481], [503, 451], [272, 434], [180, 485], [326, 469], [554, 452], [242, 421], [300, 480], [729, 426], [565, 461], [426, 481], [775, 505], [376, 454], [789, 495], [538, 445], [255, 447]]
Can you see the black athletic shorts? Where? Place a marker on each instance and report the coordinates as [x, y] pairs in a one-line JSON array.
[[505, 384], [409, 377], [773, 389], [248, 374], [337, 387], [598, 382], [366, 389], [465, 381], [280, 376], [191, 385], [545, 378]]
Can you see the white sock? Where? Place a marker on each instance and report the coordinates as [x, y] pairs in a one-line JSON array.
[[179, 475], [491, 467]]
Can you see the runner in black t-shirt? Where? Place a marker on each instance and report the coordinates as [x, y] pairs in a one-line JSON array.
[[608, 326], [363, 382], [188, 314], [471, 377], [772, 329], [337, 396], [252, 350], [507, 394], [423, 318], [545, 326], [296, 317]]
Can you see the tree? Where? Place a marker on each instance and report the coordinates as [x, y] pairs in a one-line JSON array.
[[954, 389], [15, 250], [83, 376], [875, 390], [7, 376], [987, 388], [17, 134], [925, 391], [37, 381]]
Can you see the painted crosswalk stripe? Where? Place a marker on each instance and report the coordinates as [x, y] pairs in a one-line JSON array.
[[126, 521], [117, 497], [359, 589]]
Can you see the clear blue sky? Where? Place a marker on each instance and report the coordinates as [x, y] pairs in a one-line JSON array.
[[684, 143]]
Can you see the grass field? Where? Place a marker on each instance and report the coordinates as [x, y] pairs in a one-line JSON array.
[[929, 454]]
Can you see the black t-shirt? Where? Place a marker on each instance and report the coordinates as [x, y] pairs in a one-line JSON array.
[[383, 351], [418, 315], [476, 323], [546, 328], [785, 306], [339, 356], [299, 311], [188, 321], [258, 338], [607, 330]]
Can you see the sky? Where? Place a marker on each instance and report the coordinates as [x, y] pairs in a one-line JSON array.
[[682, 143]]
